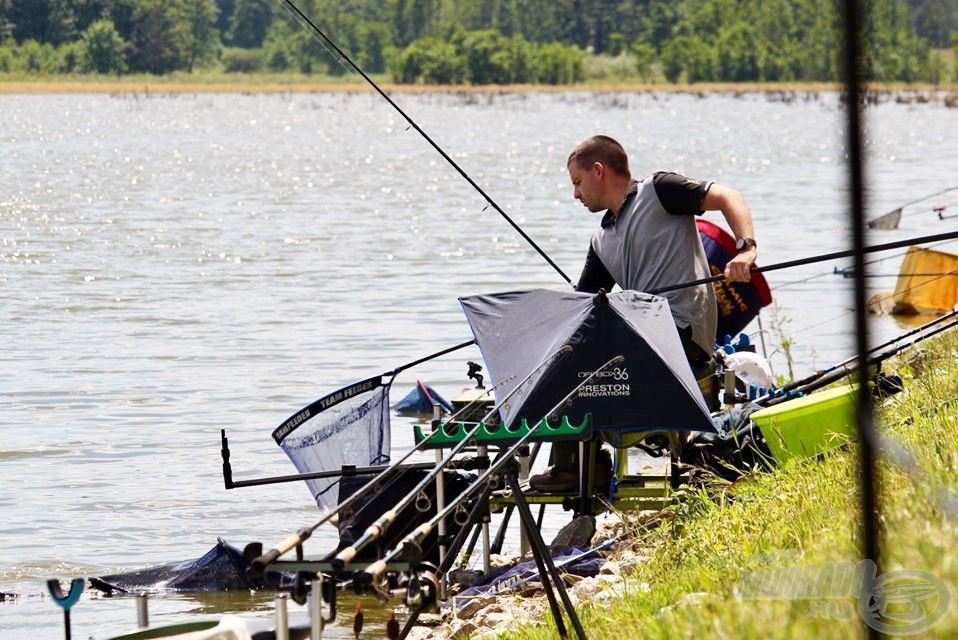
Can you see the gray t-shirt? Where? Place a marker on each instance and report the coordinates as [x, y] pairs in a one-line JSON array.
[[646, 246]]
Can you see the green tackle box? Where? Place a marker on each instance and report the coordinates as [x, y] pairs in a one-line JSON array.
[[807, 426]]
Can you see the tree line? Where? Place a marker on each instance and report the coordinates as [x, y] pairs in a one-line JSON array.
[[479, 41]]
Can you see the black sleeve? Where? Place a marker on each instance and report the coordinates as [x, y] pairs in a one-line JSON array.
[[678, 194], [594, 275]]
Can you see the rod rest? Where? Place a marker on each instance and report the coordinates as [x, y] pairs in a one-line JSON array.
[[452, 434]]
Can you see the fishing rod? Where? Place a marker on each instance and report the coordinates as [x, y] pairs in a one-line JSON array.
[[814, 376], [258, 565], [379, 527], [838, 371], [811, 260], [376, 569], [842, 270], [318, 33]]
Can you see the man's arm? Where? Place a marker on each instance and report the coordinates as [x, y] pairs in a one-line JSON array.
[[732, 205], [594, 275]]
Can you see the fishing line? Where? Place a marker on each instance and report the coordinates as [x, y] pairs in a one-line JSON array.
[[319, 35]]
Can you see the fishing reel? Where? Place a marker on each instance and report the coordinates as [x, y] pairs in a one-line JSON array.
[[423, 589]]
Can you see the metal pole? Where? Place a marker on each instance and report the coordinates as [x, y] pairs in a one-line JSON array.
[[316, 608], [440, 504], [142, 611], [486, 549], [282, 617]]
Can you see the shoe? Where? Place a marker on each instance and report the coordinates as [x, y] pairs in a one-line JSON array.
[[555, 480]]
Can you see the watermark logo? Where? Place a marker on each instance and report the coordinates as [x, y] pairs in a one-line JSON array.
[[897, 603]]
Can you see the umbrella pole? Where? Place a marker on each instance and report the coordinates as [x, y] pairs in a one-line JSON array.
[[547, 570]]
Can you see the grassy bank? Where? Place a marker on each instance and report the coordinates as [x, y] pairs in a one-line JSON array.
[[219, 82], [805, 514]]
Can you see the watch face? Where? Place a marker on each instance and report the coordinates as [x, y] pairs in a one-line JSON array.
[[744, 243]]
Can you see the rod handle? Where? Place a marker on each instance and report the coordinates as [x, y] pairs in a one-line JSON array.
[[258, 566]]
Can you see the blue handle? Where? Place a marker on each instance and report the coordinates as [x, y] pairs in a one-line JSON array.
[[70, 599]]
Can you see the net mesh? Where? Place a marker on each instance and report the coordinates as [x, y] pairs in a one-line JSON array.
[[347, 427]]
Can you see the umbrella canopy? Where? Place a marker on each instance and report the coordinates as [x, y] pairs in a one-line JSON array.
[[652, 389]]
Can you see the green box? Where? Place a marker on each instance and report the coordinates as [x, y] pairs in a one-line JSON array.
[[806, 426]]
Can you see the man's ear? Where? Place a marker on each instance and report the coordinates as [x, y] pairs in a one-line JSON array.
[[599, 169]]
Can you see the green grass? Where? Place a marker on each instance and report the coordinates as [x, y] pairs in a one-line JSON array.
[[808, 510]]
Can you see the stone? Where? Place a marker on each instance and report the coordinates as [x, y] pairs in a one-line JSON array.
[[464, 578], [610, 568], [468, 607], [494, 620], [586, 589], [628, 565], [420, 633], [577, 533], [429, 620], [463, 629]]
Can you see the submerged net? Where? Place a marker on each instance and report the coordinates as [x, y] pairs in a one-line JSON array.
[[347, 427]]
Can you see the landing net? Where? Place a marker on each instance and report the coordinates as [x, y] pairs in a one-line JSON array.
[[347, 427]]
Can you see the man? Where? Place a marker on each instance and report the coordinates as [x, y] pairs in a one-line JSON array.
[[647, 239]]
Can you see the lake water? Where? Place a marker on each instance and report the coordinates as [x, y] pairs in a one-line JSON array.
[[175, 265]]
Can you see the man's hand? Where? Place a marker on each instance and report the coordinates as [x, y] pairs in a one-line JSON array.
[[738, 269]]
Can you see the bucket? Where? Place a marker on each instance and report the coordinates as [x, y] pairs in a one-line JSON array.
[[806, 426]]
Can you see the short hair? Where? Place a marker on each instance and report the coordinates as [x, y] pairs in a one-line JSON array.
[[601, 149]]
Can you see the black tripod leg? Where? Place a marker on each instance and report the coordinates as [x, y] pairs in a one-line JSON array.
[[501, 533], [547, 570], [410, 623]]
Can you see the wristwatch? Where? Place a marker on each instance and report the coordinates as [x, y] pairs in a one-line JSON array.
[[744, 243]]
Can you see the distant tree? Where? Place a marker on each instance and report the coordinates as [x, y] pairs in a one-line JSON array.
[[250, 23], [736, 53], [104, 50], [36, 57], [557, 63], [430, 61], [46, 21], [237, 60], [375, 46], [154, 45], [484, 59], [224, 13], [691, 55], [278, 54], [644, 55], [195, 31]]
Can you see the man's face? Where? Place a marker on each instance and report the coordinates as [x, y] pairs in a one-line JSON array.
[[587, 185]]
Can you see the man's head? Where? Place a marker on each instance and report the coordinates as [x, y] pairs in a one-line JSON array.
[[599, 170]]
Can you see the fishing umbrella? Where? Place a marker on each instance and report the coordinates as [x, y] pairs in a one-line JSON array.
[[652, 389]]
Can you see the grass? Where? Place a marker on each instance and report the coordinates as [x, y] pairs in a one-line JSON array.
[[804, 514]]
